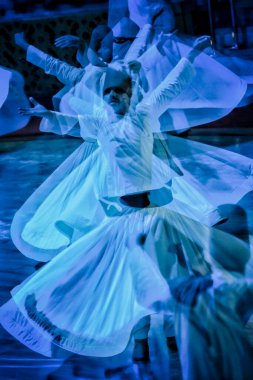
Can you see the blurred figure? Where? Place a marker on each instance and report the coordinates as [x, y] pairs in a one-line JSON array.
[[12, 96], [212, 311], [139, 12], [5, 7], [99, 54], [93, 266]]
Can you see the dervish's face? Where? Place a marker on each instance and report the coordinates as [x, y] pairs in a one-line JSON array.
[[117, 99]]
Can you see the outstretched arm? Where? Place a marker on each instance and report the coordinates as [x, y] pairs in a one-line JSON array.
[[63, 124], [65, 73], [176, 81]]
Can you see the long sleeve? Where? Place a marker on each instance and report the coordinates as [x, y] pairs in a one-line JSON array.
[[150, 57], [65, 73], [140, 43], [61, 124], [84, 125], [157, 102]]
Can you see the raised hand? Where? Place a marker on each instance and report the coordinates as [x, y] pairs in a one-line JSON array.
[[20, 40], [200, 44], [67, 41], [134, 66], [37, 110]]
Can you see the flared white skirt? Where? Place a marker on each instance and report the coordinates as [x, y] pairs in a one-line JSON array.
[[88, 298]]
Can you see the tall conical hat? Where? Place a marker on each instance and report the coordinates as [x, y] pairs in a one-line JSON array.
[[125, 28]]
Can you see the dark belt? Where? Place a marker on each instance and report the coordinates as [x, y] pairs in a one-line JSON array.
[[136, 200]]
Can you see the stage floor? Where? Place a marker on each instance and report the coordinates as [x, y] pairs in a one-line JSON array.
[[25, 162]]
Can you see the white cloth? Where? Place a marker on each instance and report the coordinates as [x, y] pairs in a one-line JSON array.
[[5, 76], [66, 73], [213, 93], [203, 178], [139, 11], [106, 270], [84, 281], [79, 82], [211, 334], [128, 144], [12, 97]]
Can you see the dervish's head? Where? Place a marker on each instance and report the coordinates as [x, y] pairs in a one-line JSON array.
[[117, 91]]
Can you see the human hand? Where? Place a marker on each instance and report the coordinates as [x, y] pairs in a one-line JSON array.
[[37, 110], [166, 42], [67, 41], [200, 44], [20, 40]]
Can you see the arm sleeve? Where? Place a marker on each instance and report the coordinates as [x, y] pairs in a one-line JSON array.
[[64, 72], [85, 126], [150, 57], [60, 124], [140, 43], [177, 80]]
